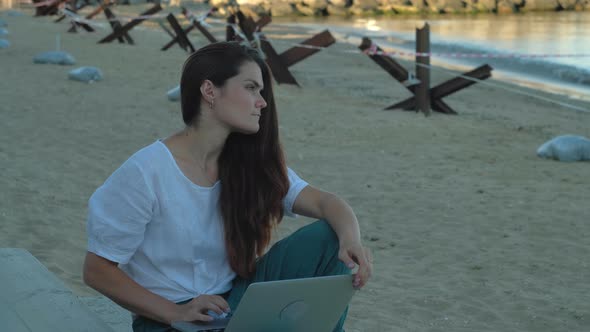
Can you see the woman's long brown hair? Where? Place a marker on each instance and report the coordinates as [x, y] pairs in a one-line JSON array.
[[252, 167]]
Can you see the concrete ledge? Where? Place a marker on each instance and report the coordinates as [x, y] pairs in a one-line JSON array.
[[32, 299], [109, 312]]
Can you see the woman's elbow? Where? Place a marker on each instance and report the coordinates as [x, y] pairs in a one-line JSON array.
[[94, 267], [88, 270]]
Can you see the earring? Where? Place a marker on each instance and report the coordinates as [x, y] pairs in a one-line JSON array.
[[211, 104]]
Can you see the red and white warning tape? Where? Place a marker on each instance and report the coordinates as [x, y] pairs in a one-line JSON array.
[[480, 55]]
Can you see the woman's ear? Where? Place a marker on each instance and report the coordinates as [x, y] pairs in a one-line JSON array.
[[208, 90]]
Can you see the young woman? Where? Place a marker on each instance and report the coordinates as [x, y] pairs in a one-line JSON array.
[[182, 227]]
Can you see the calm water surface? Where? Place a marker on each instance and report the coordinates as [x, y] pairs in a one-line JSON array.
[[561, 33]]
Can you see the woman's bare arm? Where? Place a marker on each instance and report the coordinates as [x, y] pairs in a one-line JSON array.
[[105, 276]]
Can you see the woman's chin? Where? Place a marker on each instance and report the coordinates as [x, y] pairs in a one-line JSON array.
[[248, 130]]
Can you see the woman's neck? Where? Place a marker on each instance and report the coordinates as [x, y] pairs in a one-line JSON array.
[[202, 145]]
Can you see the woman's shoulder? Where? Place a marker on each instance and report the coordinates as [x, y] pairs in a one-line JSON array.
[[148, 158], [150, 153]]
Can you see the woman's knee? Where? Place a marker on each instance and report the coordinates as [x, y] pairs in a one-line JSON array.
[[318, 232]]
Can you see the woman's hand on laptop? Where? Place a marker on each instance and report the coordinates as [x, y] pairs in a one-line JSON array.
[[197, 308], [352, 254]]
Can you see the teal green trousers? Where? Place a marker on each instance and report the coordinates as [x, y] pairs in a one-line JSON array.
[[311, 251]]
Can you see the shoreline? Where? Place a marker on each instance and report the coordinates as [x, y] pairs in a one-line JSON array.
[[349, 32]]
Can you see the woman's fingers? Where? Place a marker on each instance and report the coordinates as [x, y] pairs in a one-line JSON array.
[[364, 272], [195, 313], [215, 308], [351, 253], [211, 303], [220, 302], [204, 303], [203, 317], [346, 259]]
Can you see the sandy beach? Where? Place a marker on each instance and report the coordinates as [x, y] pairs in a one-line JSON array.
[[470, 230]]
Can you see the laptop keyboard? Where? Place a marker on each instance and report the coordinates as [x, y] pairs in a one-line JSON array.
[[218, 324], [219, 316]]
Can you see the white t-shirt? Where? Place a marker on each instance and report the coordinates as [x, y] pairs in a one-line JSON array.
[[165, 231]]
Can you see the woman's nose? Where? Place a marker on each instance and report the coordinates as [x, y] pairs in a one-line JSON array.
[[261, 103]]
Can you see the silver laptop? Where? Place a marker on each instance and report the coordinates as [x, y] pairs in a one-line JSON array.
[[296, 305]]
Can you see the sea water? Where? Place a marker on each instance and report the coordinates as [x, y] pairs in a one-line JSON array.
[[550, 51]]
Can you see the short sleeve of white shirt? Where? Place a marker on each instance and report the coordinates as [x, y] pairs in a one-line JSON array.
[[296, 184], [118, 213]]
